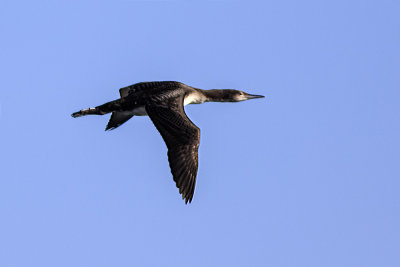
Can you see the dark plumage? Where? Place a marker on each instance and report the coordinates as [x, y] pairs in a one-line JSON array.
[[164, 103]]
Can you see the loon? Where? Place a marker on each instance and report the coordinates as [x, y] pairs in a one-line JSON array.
[[163, 102]]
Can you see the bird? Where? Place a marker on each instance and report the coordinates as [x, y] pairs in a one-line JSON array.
[[163, 102]]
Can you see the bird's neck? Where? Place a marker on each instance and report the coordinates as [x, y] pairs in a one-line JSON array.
[[214, 95]]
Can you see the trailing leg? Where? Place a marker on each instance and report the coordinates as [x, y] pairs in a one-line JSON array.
[[99, 110], [88, 111]]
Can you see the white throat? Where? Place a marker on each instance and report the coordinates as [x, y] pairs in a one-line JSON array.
[[194, 98]]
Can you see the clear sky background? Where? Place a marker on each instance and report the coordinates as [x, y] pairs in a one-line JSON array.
[[308, 176]]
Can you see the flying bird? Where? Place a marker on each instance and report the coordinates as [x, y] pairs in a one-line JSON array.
[[164, 103]]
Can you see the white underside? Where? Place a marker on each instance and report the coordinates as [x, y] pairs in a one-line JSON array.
[[193, 98]]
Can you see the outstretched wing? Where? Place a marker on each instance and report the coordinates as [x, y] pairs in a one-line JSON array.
[[182, 138]]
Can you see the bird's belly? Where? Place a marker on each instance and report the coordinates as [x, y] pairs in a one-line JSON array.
[[139, 111]]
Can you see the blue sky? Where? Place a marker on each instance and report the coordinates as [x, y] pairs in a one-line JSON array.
[[308, 176]]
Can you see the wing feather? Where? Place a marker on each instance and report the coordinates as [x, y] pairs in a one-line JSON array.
[[182, 138]]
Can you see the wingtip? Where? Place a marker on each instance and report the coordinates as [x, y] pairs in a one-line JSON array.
[[187, 198], [110, 128]]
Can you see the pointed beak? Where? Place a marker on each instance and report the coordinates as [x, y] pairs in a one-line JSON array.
[[254, 96]]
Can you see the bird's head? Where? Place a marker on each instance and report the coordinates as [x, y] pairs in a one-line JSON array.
[[241, 96]]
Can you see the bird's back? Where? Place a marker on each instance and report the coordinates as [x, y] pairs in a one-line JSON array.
[[149, 87]]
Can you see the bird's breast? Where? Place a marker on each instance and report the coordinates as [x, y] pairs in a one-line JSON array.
[[193, 98]]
